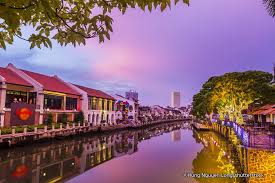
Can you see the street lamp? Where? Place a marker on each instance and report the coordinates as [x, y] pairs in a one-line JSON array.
[[46, 112]]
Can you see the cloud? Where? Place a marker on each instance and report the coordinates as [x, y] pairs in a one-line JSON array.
[[156, 53]]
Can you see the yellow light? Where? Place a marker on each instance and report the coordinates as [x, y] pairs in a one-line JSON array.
[[55, 180], [54, 93]]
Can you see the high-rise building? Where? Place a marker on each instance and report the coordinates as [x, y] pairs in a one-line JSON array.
[[175, 99], [131, 95]]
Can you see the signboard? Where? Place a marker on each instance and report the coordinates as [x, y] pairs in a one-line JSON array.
[[22, 114]]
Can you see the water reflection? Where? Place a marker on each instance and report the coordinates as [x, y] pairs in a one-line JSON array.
[[176, 135], [158, 154], [65, 159], [218, 156]]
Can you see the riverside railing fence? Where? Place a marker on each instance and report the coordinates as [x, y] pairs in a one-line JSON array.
[[250, 136]]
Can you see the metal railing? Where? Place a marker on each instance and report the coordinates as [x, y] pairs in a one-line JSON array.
[[253, 136]]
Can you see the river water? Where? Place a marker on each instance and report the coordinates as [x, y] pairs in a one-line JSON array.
[[167, 153]]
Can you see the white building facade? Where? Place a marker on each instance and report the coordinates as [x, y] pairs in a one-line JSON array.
[[98, 107], [175, 99], [132, 107]]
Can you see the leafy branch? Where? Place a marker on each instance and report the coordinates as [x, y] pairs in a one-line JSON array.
[[66, 21]]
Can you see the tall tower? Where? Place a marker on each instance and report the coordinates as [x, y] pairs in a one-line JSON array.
[[175, 99]]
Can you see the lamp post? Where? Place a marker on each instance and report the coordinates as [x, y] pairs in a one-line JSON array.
[[46, 112]]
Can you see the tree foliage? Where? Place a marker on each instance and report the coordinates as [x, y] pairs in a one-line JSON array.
[[270, 6], [79, 117], [64, 118], [66, 21], [231, 93], [49, 119]]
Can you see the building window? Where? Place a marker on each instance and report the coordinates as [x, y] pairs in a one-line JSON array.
[[89, 118], [112, 118], [113, 106], [107, 118], [53, 102], [32, 98], [97, 117], [108, 105], [102, 117], [89, 103], [71, 103], [93, 118], [15, 97], [94, 101], [102, 104]]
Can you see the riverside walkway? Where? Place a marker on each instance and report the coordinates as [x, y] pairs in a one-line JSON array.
[[68, 130], [254, 137]]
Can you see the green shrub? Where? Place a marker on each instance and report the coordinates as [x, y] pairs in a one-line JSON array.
[[5, 131], [30, 128], [57, 125], [19, 129], [79, 117], [49, 119], [40, 126], [64, 118]]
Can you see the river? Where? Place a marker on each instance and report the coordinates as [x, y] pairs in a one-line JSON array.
[[161, 154]]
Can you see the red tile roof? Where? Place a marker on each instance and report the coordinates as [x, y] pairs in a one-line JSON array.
[[267, 106], [95, 93], [13, 78], [51, 83], [266, 109]]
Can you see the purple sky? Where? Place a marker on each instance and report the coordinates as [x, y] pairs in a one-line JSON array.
[[156, 53]]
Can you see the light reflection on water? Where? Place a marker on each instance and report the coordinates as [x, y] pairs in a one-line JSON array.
[[158, 154], [217, 157]]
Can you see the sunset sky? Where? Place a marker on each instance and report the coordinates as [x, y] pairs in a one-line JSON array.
[[156, 53]]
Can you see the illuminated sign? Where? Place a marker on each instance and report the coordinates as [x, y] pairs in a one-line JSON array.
[[22, 114]]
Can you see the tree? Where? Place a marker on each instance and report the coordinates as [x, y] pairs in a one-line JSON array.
[[270, 6], [79, 117], [231, 93], [64, 118], [66, 21], [49, 119], [201, 101]]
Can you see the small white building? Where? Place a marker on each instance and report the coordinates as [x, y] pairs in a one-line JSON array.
[[97, 106], [123, 104]]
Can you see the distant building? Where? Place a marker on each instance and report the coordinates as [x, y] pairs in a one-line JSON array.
[[265, 114], [132, 95], [175, 99], [127, 107]]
